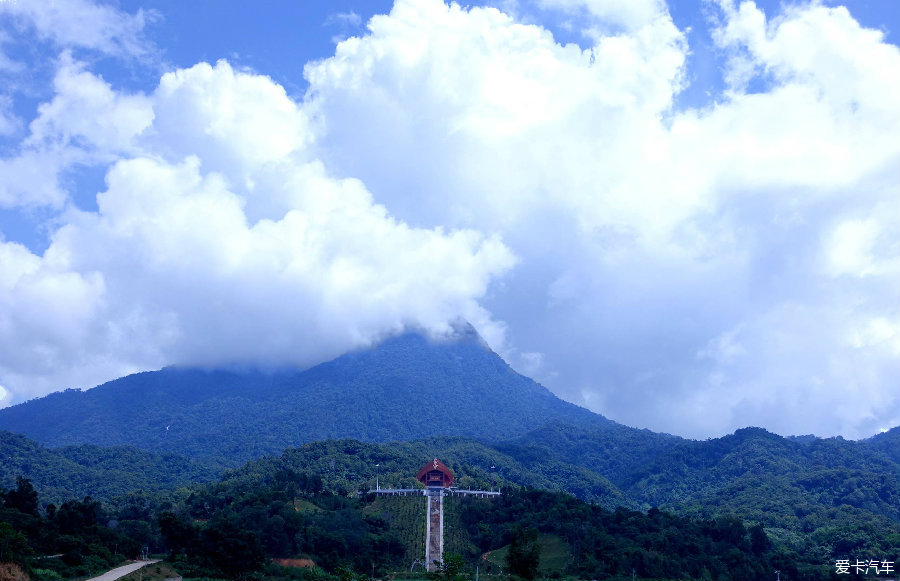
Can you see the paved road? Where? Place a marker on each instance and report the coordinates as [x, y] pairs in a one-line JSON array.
[[123, 570]]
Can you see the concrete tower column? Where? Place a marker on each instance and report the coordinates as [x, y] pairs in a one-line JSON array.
[[434, 528]]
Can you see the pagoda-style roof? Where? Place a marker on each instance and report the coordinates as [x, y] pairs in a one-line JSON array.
[[435, 473]]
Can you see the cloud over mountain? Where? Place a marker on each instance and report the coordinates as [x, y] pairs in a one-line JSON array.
[[720, 264], [688, 268], [219, 239]]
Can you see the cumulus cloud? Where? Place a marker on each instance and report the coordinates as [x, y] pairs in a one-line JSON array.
[[30, 179], [88, 113], [463, 100], [687, 270], [172, 268], [648, 235]]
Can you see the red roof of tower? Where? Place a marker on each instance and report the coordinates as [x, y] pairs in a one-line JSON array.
[[435, 473]]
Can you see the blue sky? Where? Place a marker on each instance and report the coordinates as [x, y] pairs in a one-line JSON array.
[[681, 215]]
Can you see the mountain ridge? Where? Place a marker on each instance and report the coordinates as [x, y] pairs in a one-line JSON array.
[[405, 388], [461, 399]]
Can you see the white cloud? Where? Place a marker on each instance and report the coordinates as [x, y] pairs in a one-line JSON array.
[[9, 122], [30, 179], [85, 24], [87, 110], [17, 262], [346, 22], [85, 124], [839, 83], [240, 122], [171, 269], [45, 318], [351, 18], [630, 14], [851, 246], [647, 240], [474, 113], [689, 271]]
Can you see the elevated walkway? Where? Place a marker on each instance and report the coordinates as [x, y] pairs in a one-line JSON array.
[[398, 492], [432, 492]]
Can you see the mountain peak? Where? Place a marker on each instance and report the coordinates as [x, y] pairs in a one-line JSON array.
[[408, 386]]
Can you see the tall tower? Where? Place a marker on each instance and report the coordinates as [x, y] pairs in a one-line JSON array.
[[438, 481], [436, 477]]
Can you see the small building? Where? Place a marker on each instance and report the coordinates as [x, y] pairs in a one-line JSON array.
[[435, 475]]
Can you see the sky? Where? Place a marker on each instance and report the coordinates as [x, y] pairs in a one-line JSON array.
[[684, 216]]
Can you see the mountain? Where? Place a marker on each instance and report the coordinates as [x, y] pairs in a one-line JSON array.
[[297, 508], [350, 465], [305, 491], [407, 387], [458, 400], [888, 442], [705, 476], [807, 492], [87, 470], [813, 496], [824, 499]]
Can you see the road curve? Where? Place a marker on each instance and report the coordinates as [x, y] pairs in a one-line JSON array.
[[123, 570]]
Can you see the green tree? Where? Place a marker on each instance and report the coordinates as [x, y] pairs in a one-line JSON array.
[[453, 566], [231, 549], [24, 498], [180, 536], [524, 553], [759, 541], [14, 546]]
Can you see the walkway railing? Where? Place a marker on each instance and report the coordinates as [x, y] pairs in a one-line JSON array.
[[425, 492]]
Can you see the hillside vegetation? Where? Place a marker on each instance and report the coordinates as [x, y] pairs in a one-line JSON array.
[[827, 497], [406, 388], [304, 505], [87, 470], [153, 443]]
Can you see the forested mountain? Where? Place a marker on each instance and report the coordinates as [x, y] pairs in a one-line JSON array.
[[305, 513], [809, 493], [235, 529], [712, 473], [303, 505], [806, 493], [828, 494], [88, 470], [808, 501], [350, 465], [407, 387], [410, 399], [888, 442]]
